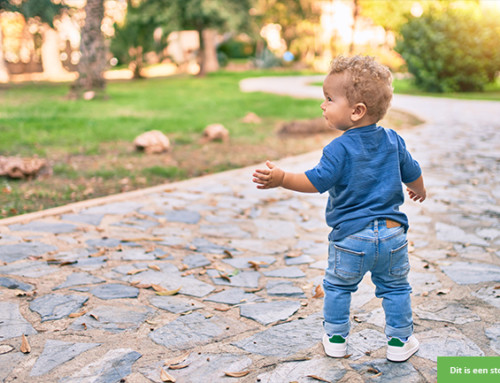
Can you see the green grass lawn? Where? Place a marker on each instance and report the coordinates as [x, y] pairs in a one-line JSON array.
[[38, 119]]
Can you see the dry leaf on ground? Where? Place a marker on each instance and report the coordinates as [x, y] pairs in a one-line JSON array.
[[154, 267], [318, 378], [136, 271], [237, 374], [319, 293], [166, 377], [25, 346], [165, 292], [443, 291], [76, 315]]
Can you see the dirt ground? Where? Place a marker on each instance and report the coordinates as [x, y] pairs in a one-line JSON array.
[[119, 168]]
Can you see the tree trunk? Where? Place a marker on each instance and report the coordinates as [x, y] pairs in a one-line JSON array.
[[211, 61], [4, 73], [93, 52], [51, 63], [201, 54]]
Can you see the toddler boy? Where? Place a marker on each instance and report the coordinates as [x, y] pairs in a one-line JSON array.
[[362, 170]]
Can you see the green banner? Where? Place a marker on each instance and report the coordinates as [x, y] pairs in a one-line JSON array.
[[467, 369]]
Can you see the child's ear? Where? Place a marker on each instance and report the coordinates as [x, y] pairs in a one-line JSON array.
[[358, 112]]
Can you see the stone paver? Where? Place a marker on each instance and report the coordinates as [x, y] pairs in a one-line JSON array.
[[222, 276]]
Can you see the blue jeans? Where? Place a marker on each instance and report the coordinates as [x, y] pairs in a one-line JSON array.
[[383, 252]]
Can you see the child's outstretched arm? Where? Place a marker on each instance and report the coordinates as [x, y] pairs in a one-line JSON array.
[[275, 177], [416, 190]]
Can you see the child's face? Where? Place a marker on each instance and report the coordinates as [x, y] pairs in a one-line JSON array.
[[336, 108]]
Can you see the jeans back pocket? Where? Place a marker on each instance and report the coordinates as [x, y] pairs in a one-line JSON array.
[[400, 264], [348, 263]]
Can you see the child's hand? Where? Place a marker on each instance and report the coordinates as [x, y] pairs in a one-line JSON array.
[[269, 178], [417, 197]]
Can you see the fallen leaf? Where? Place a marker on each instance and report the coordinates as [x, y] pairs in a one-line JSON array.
[[84, 326], [154, 267], [165, 376], [177, 360], [5, 348], [151, 322], [158, 287], [66, 263], [356, 319], [496, 287], [443, 291], [222, 308], [162, 256], [426, 265], [293, 254], [253, 290], [98, 254], [202, 272], [183, 267], [227, 254], [178, 366], [347, 356], [237, 374], [95, 317], [141, 239], [169, 292], [76, 315], [319, 293], [373, 370], [256, 265], [225, 277], [25, 346], [143, 285], [425, 294], [136, 271], [318, 378]]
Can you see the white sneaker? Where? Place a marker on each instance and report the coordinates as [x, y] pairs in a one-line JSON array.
[[398, 351], [336, 346]]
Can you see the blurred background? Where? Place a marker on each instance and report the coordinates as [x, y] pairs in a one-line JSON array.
[[42, 39]]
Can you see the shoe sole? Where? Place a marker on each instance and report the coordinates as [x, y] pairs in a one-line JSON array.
[[333, 354], [402, 357]]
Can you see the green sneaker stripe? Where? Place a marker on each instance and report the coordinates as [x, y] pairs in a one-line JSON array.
[[395, 342], [337, 339]]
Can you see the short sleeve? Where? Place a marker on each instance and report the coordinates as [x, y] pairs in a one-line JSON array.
[[410, 169], [326, 173]]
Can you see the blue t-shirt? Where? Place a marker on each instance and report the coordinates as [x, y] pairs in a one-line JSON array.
[[362, 170]]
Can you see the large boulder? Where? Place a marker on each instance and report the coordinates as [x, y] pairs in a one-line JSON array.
[[153, 141]]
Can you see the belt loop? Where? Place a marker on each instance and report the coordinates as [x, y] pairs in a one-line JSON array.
[[375, 226]]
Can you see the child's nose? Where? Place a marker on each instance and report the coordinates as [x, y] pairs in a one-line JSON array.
[[322, 106]]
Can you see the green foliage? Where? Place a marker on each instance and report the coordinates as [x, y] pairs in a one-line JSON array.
[[136, 36], [451, 50], [202, 14], [391, 15], [45, 10], [296, 17], [236, 49]]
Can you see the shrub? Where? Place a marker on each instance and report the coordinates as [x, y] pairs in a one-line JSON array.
[[451, 50]]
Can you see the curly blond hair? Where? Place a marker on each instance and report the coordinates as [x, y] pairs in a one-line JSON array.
[[365, 81]]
